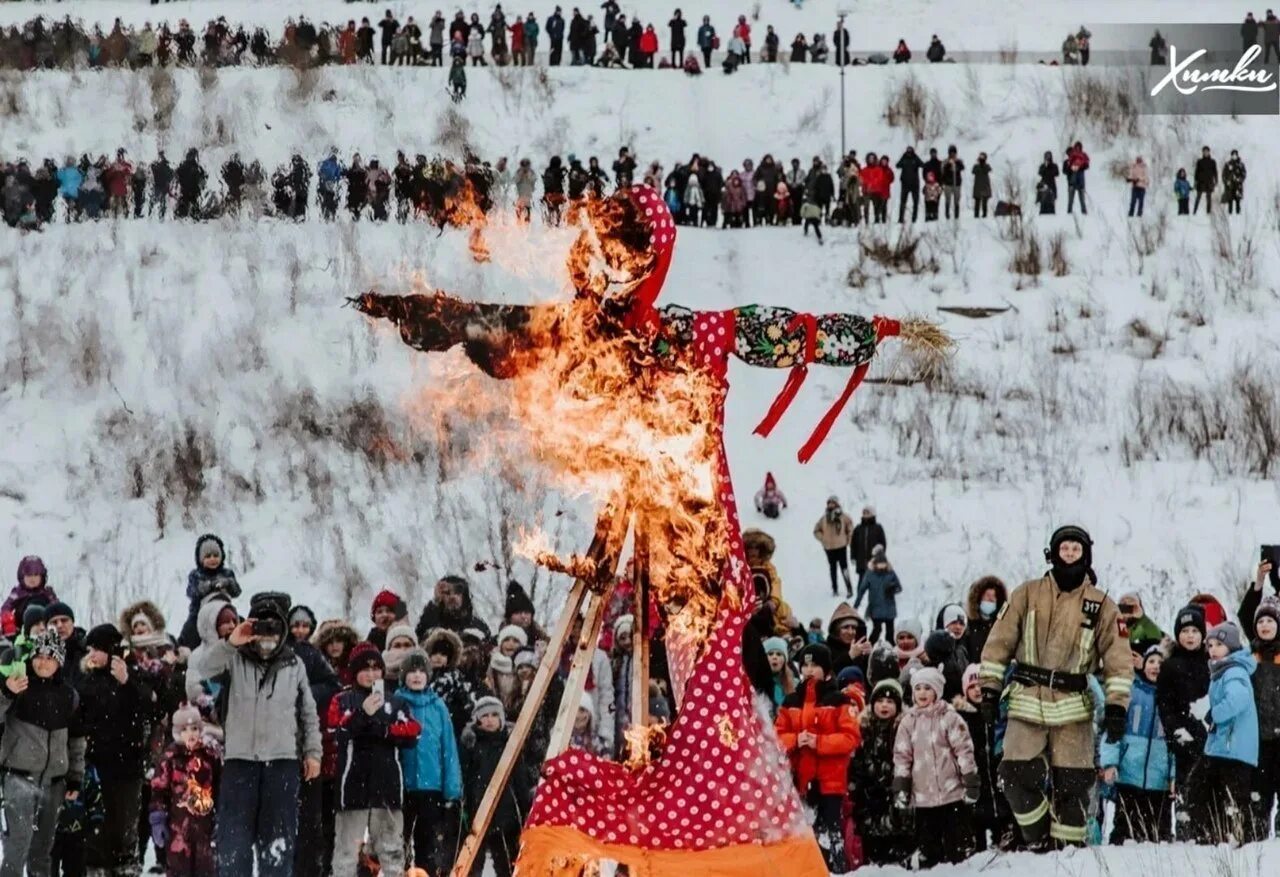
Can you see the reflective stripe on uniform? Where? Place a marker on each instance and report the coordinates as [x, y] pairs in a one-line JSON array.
[[1119, 685], [1085, 664], [1070, 833], [1034, 816], [993, 671], [1030, 708], [1029, 638]]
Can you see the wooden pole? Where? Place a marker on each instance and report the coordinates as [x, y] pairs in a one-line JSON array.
[[639, 635], [604, 550], [577, 681]]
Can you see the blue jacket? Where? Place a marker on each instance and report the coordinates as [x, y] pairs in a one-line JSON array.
[[531, 31], [1233, 715], [1142, 756], [706, 36], [330, 171], [69, 180], [879, 587], [432, 764], [1181, 188]]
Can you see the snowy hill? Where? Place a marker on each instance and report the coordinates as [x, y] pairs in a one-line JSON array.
[[161, 380]]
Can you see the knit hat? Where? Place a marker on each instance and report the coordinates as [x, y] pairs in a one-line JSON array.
[[364, 656], [186, 717], [302, 614], [939, 646], [930, 676], [517, 600], [485, 706], [1142, 646], [776, 644], [953, 612], [209, 544], [911, 626], [877, 553], [270, 604], [31, 616], [850, 675], [473, 633], [587, 703], [833, 499], [50, 645], [104, 638], [890, 688], [415, 659], [624, 622], [397, 631], [1190, 616], [525, 658], [1227, 633], [59, 610], [1268, 608], [32, 566], [815, 653], [511, 631], [868, 511], [388, 600]]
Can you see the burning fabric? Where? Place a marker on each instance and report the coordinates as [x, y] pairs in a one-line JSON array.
[[635, 394]]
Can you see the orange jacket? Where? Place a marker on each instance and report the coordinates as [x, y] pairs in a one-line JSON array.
[[823, 710]]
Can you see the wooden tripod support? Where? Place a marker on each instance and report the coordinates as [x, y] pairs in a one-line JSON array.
[[612, 525]]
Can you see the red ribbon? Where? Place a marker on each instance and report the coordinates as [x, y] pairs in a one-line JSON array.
[[885, 328], [798, 373]]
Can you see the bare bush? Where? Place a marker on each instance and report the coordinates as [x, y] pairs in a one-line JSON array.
[[1104, 103], [1008, 52], [914, 107], [1058, 263], [1236, 255], [1027, 260], [453, 131], [1150, 341], [908, 254], [164, 98], [1231, 421]]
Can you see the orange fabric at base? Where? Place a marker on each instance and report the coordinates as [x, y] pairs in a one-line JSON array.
[[560, 851]]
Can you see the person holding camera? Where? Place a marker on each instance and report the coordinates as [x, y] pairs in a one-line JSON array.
[[272, 740]]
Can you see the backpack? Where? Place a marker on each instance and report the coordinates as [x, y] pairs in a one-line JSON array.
[[715, 42]]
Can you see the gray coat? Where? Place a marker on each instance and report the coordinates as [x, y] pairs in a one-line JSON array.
[[271, 714], [881, 588], [45, 754]]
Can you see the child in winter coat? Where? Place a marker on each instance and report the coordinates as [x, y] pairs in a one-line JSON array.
[[432, 768], [934, 772], [482, 747], [769, 500], [371, 729], [32, 588], [886, 831], [784, 677], [880, 585], [584, 734], [1182, 192], [183, 788], [211, 576], [991, 814], [819, 731], [1266, 695], [1183, 681], [1141, 765], [13, 658], [1231, 750], [782, 204], [932, 195], [811, 215]]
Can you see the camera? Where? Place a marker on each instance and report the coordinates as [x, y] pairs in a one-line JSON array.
[[267, 627]]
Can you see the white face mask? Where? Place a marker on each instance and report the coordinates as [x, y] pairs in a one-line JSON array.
[[266, 647], [987, 607]]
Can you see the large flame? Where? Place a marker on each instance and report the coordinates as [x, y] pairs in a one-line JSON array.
[[604, 412]]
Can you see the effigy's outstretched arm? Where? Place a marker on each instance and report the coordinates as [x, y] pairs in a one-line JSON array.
[[493, 336]]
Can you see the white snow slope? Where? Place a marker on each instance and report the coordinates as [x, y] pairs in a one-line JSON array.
[[160, 380]]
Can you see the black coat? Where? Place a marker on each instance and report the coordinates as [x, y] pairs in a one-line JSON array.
[[117, 720], [1266, 688], [677, 26], [910, 165], [1206, 174], [368, 763], [871, 780], [952, 174], [1184, 679], [984, 739], [481, 754], [866, 536]]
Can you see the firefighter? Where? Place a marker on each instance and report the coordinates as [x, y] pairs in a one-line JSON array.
[[1050, 636]]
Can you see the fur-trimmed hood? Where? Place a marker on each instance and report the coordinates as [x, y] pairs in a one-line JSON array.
[[145, 608], [975, 595], [759, 540], [334, 629], [207, 619], [443, 639]]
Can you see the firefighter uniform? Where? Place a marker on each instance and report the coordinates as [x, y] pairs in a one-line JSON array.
[[1047, 640]]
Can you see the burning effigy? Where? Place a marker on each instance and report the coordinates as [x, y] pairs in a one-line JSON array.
[[633, 395]]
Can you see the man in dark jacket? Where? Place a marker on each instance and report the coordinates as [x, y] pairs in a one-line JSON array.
[[712, 180], [41, 756], [1271, 36], [840, 40], [1248, 32], [315, 844], [1206, 180], [233, 177], [63, 620], [191, 177], [370, 725], [866, 536], [117, 709], [161, 181], [388, 26], [451, 608], [909, 182], [555, 33], [677, 24]]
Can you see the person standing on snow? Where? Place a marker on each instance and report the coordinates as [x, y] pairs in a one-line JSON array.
[[1055, 631], [1206, 181], [834, 530]]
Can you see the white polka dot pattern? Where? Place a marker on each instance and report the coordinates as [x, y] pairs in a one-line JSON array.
[[718, 780]]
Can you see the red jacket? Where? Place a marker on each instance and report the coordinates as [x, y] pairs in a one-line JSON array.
[[517, 36], [116, 179], [820, 709], [649, 42], [347, 46], [742, 29]]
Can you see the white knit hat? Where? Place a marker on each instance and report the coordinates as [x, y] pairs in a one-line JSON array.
[[515, 632]]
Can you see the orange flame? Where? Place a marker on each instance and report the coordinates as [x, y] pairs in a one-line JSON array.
[[643, 744]]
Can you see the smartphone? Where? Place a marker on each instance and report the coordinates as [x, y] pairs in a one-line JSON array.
[[380, 688], [1272, 553]]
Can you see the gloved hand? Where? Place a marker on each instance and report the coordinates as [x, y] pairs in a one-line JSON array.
[[972, 789], [902, 800], [159, 829], [1113, 722], [990, 706]]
